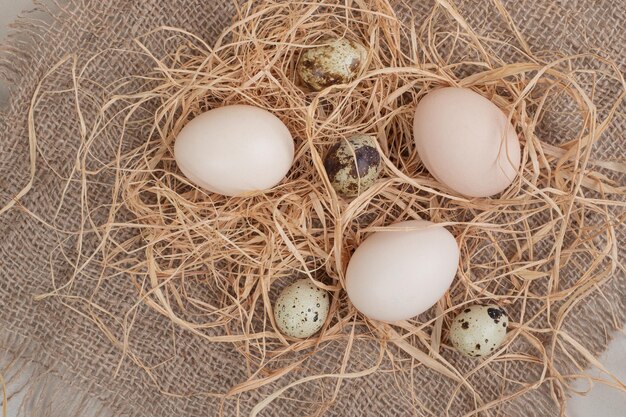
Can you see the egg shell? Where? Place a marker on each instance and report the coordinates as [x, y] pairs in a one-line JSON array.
[[479, 330], [338, 61], [301, 309], [466, 142], [235, 150], [397, 274], [353, 165]]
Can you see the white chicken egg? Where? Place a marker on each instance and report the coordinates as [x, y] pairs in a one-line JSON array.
[[400, 272], [466, 142], [479, 330], [301, 309], [235, 150]]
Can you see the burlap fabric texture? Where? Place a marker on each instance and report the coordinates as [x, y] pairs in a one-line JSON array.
[[64, 347]]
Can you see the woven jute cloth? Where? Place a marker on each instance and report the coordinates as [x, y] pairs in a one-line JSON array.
[[64, 346]]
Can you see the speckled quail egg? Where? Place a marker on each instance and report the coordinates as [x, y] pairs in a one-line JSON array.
[[301, 309], [337, 61], [353, 165], [479, 330]]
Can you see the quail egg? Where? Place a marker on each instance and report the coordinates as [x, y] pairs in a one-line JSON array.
[[337, 61], [353, 165], [301, 309], [479, 330]]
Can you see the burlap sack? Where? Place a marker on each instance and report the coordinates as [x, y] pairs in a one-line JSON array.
[[68, 350]]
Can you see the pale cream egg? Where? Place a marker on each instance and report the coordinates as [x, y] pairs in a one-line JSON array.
[[466, 142], [401, 271], [235, 150]]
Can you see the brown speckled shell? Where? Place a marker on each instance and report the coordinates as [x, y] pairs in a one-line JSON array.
[[301, 309], [336, 62], [479, 330], [353, 165]]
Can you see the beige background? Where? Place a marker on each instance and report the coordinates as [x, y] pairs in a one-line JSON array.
[[601, 401]]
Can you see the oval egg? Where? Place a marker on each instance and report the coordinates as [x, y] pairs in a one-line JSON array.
[[479, 330], [235, 150], [301, 309], [353, 165], [336, 62], [466, 142], [397, 274]]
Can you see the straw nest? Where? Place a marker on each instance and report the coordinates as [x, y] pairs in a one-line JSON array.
[[213, 265]]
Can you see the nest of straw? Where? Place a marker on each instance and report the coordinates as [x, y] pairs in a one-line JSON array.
[[213, 265]]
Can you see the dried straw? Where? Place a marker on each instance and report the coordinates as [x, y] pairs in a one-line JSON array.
[[213, 264]]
